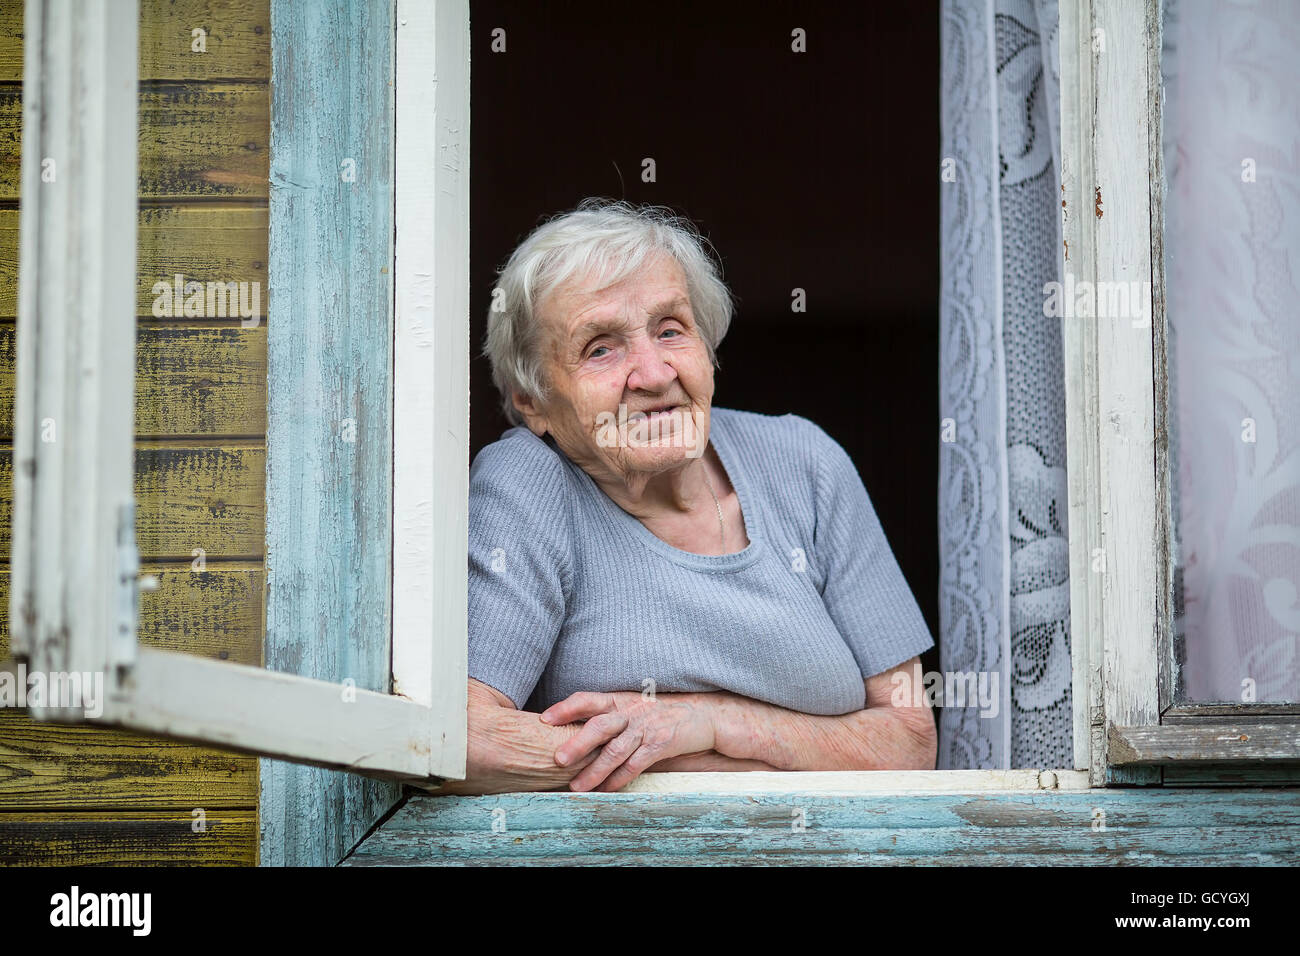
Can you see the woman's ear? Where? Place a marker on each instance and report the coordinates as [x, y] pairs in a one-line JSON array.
[[531, 410]]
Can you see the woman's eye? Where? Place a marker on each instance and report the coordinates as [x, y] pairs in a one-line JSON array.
[[674, 331], [595, 353]]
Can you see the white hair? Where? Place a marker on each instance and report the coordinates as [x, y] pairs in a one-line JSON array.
[[609, 240]]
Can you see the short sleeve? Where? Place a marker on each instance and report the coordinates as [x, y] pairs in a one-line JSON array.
[[519, 563], [864, 589]]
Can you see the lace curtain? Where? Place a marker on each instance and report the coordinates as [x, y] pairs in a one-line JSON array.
[[1232, 229], [1004, 607]]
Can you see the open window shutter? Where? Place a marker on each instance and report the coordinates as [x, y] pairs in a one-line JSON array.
[[73, 592], [323, 705]]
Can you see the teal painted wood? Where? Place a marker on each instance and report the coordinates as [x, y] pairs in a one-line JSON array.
[[329, 362], [1139, 827]]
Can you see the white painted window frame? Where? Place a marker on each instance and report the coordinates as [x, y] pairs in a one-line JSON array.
[[1127, 725], [74, 598], [419, 465]]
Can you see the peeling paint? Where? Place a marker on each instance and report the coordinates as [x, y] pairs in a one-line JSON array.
[[1009, 828]]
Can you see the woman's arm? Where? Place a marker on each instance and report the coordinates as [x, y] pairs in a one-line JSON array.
[[511, 750], [707, 761], [882, 736]]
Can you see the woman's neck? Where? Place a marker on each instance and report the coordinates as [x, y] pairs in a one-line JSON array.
[[675, 492]]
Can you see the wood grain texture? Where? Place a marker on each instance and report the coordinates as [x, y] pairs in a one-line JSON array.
[[238, 40], [127, 838], [1120, 555], [11, 134], [1079, 355], [188, 381], [76, 354], [199, 141], [1136, 606], [47, 766], [200, 381], [275, 714], [1231, 775], [210, 242], [215, 613], [1208, 742], [855, 783], [196, 140], [209, 497], [329, 356], [1238, 712], [1051, 827], [431, 372]]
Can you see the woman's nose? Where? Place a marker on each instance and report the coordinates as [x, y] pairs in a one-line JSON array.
[[650, 373]]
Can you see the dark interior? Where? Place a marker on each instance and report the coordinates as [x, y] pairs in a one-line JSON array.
[[815, 170]]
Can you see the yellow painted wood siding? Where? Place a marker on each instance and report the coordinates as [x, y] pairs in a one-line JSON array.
[[82, 794]]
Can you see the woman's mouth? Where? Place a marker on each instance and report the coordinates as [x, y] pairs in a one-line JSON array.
[[657, 412]]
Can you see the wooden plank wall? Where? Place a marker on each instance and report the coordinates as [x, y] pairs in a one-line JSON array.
[[81, 794]]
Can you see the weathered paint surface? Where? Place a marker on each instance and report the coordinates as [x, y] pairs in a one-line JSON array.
[[189, 497], [1214, 741], [73, 794], [189, 380], [196, 140], [114, 838], [57, 766], [329, 354], [1089, 827], [216, 613], [202, 241], [238, 40]]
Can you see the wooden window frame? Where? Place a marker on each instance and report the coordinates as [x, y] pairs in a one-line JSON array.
[[1128, 728], [74, 603]]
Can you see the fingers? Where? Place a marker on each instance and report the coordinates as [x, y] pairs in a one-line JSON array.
[[630, 769], [578, 706], [595, 732], [611, 757]]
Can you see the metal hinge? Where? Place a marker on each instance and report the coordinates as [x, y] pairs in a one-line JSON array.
[[122, 646]]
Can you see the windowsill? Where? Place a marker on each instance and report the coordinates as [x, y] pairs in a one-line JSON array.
[[831, 783], [910, 818], [863, 781]]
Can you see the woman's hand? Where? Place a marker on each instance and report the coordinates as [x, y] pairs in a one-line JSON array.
[[658, 728], [511, 750]]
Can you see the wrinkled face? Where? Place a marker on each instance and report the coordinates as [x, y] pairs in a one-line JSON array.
[[633, 344]]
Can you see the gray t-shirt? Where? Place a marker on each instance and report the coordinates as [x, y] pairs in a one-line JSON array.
[[569, 592]]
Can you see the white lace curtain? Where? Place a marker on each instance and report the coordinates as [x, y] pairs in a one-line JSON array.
[[1232, 239], [1232, 163], [1004, 606]]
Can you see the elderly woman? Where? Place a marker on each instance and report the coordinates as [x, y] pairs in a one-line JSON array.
[[656, 583]]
